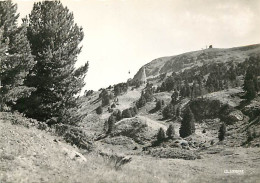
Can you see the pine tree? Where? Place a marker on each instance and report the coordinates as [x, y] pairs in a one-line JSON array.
[[170, 131], [135, 110], [158, 105], [111, 124], [119, 115], [54, 39], [15, 57], [222, 132], [141, 102], [160, 135], [168, 111], [250, 83], [188, 124]]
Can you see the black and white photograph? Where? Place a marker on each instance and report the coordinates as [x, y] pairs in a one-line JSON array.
[[130, 91]]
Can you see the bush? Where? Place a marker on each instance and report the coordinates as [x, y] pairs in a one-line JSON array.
[[158, 105], [119, 115], [111, 124], [135, 110], [168, 111], [126, 113], [113, 105], [249, 136], [170, 131], [99, 110], [160, 135], [132, 111], [105, 100], [141, 102], [222, 132]]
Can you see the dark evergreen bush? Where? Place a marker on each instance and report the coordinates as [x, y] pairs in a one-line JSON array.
[[188, 124], [222, 132], [170, 131], [99, 110]]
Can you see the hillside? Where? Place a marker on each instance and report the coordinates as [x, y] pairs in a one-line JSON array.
[[31, 155], [119, 142], [198, 58]]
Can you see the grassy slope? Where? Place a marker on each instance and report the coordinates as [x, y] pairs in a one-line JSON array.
[[31, 155]]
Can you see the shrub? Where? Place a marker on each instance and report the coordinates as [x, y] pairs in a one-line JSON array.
[[111, 124], [132, 111], [249, 136], [126, 113], [105, 100], [222, 132], [135, 110], [158, 105], [168, 111], [99, 110], [160, 135], [119, 115], [113, 105], [141, 102], [170, 131]]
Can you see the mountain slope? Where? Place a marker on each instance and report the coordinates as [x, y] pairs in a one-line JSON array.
[[198, 58]]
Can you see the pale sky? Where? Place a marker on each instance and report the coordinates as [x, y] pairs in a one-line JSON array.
[[123, 35]]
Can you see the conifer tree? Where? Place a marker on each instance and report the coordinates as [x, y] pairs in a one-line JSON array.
[[54, 39], [170, 131], [168, 111], [188, 124], [111, 124], [15, 57], [160, 135], [222, 132]]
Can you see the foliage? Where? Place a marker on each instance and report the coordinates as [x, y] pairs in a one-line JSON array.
[[111, 124], [141, 102], [120, 88], [55, 44], [188, 124], [159, 104], [251, 83], [168, 111], [222, 132], [161, 135], [15, 57], [170, 132], [249, 136], [126, 113], [99, 110]]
